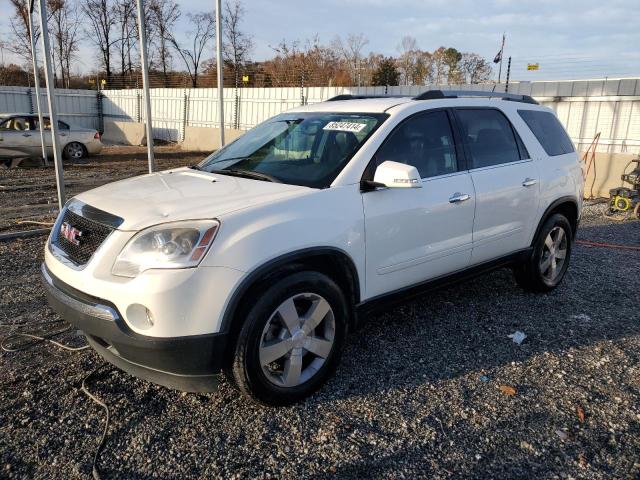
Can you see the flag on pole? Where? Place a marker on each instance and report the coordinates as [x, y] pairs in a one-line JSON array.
[[498, 57]]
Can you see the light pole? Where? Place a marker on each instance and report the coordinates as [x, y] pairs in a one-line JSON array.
[[145, 85], [53, 113], [220, 77], [36, 81]]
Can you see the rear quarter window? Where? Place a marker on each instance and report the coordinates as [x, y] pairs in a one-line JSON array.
[[549, 132]]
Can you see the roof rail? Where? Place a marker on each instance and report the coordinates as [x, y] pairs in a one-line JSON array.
[[348, 96], [438, 94]]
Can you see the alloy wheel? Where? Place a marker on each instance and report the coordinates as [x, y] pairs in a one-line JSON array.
[[297, 340], [554, 253]]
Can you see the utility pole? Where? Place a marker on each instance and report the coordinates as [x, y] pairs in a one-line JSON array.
[[219, 65], [506, 87], [145, 86], [53, 113], [36, 81]]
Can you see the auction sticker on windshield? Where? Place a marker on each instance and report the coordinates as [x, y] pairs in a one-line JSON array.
[[345, 126]]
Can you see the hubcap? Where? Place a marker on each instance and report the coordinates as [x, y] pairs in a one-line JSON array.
[[74, 150], [297, 340], [554, 253]]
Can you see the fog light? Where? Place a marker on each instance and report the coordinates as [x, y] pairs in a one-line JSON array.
[[140, 316]]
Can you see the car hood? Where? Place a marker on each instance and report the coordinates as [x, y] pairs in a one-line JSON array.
[[183, 194]]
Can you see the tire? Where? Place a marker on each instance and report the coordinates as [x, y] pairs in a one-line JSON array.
[[273, 340], [545, 268], [75, 151]]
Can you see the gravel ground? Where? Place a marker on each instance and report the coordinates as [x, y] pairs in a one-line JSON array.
[[417, 395]]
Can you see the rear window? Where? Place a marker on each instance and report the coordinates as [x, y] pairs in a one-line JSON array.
[[549, 132]]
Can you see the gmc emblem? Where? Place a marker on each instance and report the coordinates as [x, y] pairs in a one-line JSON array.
[[72, 234]]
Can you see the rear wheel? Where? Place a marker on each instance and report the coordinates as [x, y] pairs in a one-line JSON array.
[[75, 151], [545, 268], [291, 340]]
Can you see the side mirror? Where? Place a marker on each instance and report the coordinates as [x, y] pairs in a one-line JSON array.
[[397, 175]]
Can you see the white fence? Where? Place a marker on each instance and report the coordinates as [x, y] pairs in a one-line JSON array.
[[586, 107]]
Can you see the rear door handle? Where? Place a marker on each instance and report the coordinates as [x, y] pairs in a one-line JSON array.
[[459, 197], [529, 182], [26, 134]]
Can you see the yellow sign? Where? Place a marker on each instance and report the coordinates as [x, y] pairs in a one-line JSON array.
[[103, 82], [245, 78], [533, 66]]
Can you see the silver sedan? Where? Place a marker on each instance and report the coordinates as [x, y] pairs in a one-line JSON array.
[[20, 139]]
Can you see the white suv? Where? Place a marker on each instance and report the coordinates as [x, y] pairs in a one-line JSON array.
[[256, 262]]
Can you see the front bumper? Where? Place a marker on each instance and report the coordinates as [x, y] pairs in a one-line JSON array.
[[190, 363]]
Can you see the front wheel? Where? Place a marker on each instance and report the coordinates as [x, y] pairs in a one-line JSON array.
[[546, 267], [75, 151], [291, 340]]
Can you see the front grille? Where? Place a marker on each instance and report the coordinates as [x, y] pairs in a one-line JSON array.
[[92, 234]]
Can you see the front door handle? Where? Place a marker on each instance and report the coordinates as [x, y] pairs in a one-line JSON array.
[[529, 182], [459, 197], [26, 134]]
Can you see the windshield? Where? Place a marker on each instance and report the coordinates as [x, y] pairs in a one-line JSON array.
[[308, 149]]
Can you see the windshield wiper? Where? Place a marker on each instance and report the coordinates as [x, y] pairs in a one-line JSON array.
[[237, 172], [194, 167]]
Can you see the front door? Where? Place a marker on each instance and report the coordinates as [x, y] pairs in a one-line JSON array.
[[18, 138], [416, 234]]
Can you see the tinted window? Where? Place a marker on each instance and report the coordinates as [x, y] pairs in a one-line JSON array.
[[489, 137], [424, 141], [547, 129]]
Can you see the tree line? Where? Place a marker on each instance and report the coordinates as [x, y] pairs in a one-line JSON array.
[[187, 60]]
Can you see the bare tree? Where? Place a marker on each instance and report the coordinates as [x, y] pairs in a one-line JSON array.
[[408, 56], [201, 35], [64, 25], [125, 19], [352, 53], [163, 15], [475, 68], [101, 15], [20, 43], [237, 44]]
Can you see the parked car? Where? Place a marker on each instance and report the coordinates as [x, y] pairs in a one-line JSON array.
[[20, 138], [259, 260]]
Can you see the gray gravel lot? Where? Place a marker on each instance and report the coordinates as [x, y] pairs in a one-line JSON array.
[[417, 394]]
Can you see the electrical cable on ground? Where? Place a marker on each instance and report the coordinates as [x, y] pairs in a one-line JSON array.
[[47, 338], [589, 243], [94, 468], [38, 338]]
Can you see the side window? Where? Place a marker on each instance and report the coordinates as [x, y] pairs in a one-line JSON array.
[[19, 124], [489, 137], [548, 130], [424, 141]]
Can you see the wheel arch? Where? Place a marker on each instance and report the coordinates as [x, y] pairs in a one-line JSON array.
[[567, 206], [331, 261]]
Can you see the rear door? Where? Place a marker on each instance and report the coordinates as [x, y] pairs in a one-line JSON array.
[[506, 182], [416, 234]]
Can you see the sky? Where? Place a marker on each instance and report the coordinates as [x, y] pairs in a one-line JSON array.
[[569, 39]]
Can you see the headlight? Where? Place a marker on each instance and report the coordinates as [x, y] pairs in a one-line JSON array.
[[170, 245]]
